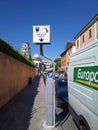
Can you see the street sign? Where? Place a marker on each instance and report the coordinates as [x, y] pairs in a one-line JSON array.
[[41, 34]]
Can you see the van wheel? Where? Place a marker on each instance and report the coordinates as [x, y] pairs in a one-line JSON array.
[[83, 127]]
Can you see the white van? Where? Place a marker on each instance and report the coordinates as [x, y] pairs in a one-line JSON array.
[[83, 87]]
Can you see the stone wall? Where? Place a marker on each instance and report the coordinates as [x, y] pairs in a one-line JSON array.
[[14, 76]]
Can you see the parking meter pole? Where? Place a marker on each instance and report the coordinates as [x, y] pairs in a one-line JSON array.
[[50, 93]]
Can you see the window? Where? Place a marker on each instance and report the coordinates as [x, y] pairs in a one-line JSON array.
[[90, 33], [83, 38], [77, 43], [67, 63]]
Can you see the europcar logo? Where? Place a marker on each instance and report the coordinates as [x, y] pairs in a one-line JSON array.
[[87, 76]]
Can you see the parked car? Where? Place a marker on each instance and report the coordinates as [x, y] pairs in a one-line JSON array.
[[61, 88], [56, 75]]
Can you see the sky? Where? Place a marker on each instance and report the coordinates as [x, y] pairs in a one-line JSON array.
[[65, 17]]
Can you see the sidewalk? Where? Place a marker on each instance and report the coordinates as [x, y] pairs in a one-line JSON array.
[[39, 108], [26, 111]]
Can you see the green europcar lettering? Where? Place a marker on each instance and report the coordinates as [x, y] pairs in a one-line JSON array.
[[87, 76]]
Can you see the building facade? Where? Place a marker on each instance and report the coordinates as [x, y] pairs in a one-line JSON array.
[[65, 56], [37, 60], [47, 64], [26, 50], [88, 34]]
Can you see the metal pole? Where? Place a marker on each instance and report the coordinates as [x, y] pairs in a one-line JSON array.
[[50, 94]]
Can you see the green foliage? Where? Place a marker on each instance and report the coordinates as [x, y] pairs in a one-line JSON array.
[[9, 50], [58, 64]]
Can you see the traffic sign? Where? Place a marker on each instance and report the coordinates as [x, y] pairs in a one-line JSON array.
[[41, 34]]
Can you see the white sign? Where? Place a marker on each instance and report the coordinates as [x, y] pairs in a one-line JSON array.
[[41, 34]]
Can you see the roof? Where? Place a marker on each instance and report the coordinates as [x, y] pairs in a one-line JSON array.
[[64, 52], [67, 47], [93, 20]]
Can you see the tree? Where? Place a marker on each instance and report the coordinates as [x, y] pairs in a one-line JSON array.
[[58, 64]]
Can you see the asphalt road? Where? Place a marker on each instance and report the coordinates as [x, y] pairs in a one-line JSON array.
[[64, 120]]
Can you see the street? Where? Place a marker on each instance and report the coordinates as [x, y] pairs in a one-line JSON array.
[[64, 120]]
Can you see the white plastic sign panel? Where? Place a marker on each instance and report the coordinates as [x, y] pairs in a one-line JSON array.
[[41, 34]]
